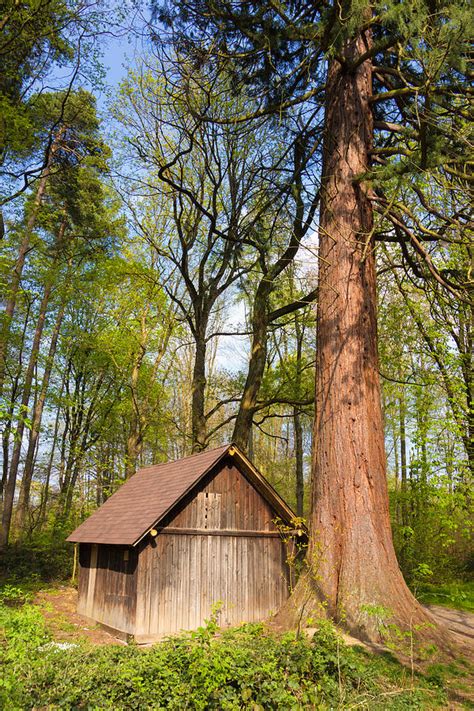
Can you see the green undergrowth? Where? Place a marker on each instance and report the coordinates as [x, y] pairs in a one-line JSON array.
[[245, 668], [459, 595], [36, 563]]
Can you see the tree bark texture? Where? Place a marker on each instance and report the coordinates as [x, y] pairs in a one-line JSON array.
[[198, 418], [352, 566], [256, 367]]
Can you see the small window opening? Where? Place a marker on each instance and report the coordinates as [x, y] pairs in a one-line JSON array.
[[209, 510]]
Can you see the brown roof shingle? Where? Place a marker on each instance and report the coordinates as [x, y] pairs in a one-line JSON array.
[[144, 499]]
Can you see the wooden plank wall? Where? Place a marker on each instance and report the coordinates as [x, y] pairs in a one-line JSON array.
[[107, 585], [241, 507], [83, 577], [222, 547]]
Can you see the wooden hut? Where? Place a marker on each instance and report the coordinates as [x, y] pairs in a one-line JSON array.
[[178, 538]]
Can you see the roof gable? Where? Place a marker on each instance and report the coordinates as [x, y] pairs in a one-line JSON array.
[[150, 494]]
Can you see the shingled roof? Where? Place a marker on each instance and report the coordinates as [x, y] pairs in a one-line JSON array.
[[143, 501]]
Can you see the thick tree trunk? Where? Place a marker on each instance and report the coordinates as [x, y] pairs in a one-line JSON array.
[[352, 566]]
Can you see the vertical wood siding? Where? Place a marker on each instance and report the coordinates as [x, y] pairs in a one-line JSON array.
[[221, 547], [107, 585], [185, 575], [182, 575], [83, 577], [233, 504]]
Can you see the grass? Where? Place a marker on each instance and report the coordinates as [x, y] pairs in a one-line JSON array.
[[241, 669], [47, 663], [458, 595]]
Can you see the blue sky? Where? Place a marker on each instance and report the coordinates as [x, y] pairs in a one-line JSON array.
[[115, 56], [124, 39], [118, 55]]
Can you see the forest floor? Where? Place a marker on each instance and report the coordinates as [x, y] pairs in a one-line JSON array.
[[459, 622], [58, 607]]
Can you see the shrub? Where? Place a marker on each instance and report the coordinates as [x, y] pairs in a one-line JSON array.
[[244, 668], [36, 562]]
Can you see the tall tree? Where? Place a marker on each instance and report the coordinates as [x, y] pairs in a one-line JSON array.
[[33, 37], [77, 208], [276, 257], [38, 37], [72, 139], [71, 223], [400, 69], [211, 177]]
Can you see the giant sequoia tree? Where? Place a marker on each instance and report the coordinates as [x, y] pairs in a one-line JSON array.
[[390, 81]]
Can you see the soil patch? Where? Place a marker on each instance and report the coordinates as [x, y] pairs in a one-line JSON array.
[[460, 622], [59, 610]]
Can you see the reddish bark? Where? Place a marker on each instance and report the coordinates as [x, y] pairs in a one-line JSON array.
[[352, 562]]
